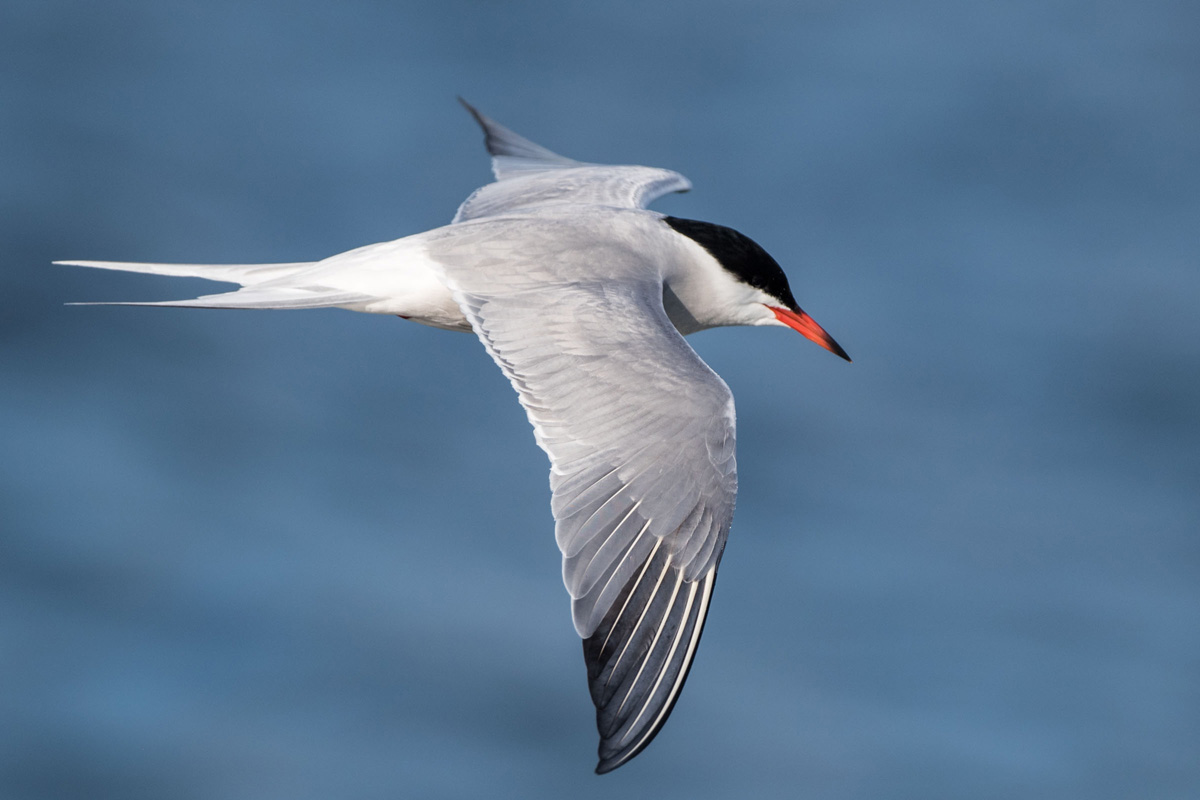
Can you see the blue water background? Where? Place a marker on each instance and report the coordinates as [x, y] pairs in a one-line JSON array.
[[309, 554]]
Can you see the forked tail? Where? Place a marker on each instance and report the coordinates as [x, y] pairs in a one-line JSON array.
[[263, 285]]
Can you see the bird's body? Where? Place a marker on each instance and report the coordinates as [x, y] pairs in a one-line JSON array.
[[581, 296]]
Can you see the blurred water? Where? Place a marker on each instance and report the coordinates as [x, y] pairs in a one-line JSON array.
[[310, 555]]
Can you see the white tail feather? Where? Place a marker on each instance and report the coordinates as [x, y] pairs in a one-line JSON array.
[[256, 278], [245, 274], [277, 298]]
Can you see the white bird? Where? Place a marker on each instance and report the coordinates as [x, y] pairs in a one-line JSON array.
[[582, 297]]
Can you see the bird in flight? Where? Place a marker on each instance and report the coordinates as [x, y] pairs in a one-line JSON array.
[[583, 296]]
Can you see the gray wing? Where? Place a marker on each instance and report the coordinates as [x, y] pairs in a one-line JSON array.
[[528, 175], [640, 434]]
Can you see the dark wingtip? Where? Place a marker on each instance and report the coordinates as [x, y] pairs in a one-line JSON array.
[[630, 722], [480, 118], [467, 106], [493, 132]]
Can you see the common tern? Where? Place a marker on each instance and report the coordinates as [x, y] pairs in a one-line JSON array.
[[582, 296]]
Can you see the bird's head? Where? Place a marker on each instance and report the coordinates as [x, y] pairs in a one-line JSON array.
[[751, 285]]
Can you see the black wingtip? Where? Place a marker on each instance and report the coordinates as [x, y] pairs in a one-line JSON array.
[[479, 118], [640, 656], [493, 132], [620, 759], [474, 111]]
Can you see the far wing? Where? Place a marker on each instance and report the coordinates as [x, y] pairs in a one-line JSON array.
[[528, 175], [640, 434]]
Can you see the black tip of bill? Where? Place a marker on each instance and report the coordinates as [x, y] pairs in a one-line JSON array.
[[807, 327], [837, 350]]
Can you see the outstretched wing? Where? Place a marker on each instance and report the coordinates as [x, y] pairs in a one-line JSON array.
[[640, 434], [528, 175]]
